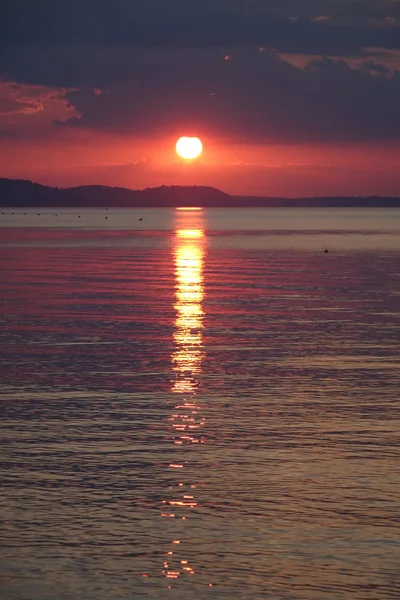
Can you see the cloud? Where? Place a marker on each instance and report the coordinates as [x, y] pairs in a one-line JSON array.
[[321, 19], [253, 97], [288, 25], [111, 169], [153, 68], [29, 108]]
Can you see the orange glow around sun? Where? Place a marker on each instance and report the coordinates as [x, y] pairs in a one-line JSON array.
[[189, 147]]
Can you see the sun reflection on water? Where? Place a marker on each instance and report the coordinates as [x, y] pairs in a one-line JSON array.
[[189, 293], [186, 420]]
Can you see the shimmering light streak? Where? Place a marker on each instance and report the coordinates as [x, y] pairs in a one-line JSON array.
[[189, 233], [183, 208], [185, 419], [189, 293]]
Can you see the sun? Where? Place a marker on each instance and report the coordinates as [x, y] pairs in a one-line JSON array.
[[189, 147]]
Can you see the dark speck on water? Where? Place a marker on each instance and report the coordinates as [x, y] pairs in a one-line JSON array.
[[200, 408]]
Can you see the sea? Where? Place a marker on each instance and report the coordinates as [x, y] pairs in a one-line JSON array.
[[200, 403]]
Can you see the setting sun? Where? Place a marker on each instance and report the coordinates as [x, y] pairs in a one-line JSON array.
[[189, 147]]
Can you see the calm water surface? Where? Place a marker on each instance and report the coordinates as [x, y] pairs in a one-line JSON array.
[[200, 404]]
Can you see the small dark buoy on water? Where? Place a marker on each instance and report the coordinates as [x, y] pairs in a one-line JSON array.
[[140, 219], [326, 250]]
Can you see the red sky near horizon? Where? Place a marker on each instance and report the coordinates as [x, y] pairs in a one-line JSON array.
[[290, 117]]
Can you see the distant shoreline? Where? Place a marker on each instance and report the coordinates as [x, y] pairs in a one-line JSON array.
[[19, 193]]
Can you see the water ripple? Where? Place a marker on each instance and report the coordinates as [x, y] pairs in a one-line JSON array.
[[183, 418]]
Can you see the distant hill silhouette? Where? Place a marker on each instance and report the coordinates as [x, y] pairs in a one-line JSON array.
[[20, 193]]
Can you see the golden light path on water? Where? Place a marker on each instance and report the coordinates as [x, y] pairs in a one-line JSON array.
[[189, 294], [186, 420]]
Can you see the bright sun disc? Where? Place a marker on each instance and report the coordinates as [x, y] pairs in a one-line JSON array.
[[189, 147]]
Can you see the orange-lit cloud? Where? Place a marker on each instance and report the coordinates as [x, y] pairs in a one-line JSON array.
[[32, 109]]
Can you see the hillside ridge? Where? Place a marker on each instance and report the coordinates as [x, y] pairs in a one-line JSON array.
[[23, 193]]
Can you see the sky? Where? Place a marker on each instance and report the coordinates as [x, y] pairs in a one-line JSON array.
[[289, 97]]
